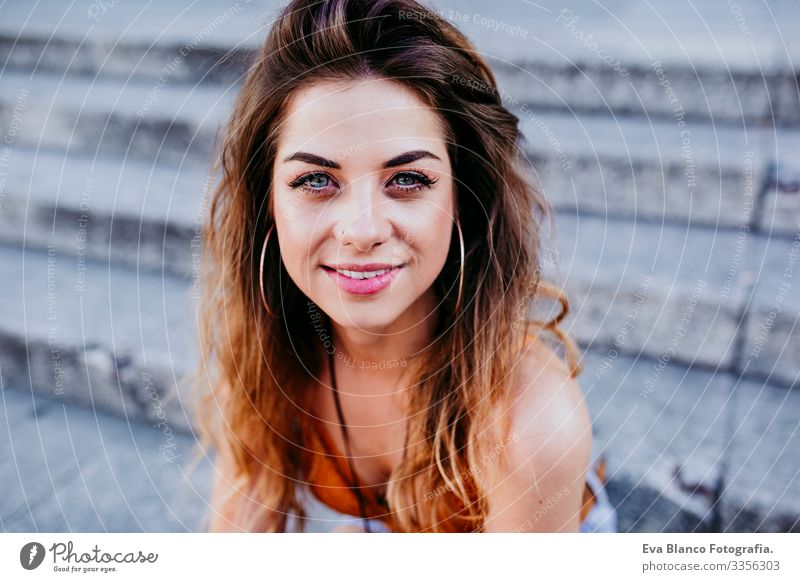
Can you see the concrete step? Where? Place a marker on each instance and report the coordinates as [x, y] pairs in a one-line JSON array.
[[694, 450], [770, 344], [779, 212], [721, 62], [666, 171], [134, 213], [696, 296], [139, 120], [600, 165], [65, 468], [105, 337]]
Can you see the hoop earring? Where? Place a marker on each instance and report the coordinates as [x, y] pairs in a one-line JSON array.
[[261, 274], [461, 271]]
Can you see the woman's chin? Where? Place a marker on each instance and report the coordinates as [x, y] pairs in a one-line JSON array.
[[363, 317]]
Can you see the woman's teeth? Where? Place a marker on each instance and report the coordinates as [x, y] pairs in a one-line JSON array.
[[361, 274]]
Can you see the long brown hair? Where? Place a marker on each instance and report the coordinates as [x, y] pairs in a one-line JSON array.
[[255, 369]]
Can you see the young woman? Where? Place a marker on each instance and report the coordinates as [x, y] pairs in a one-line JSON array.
[[372, 257]]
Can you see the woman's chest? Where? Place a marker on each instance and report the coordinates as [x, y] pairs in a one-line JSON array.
[[372, 437]]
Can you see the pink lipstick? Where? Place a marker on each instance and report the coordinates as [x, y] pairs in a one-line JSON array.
[[364, 286]]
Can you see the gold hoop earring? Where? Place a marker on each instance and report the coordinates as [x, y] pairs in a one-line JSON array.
[[261, 274], [461, 271]]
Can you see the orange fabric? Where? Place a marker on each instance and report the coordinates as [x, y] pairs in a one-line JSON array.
[[329, 477]]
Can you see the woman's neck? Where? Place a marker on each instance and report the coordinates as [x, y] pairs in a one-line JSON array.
[[376, 360]]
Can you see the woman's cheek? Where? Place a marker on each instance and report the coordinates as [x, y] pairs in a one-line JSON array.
[[430, 254], [439, 234], [295, 248]]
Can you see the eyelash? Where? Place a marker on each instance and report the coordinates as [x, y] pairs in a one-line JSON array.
[[424, 181]]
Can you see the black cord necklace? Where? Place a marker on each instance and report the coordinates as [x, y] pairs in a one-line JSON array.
[[354, 486]]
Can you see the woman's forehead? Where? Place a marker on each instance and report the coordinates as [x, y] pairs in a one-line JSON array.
[[371, 113]]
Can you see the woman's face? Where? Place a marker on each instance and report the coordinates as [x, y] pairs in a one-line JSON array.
[[363, 200]]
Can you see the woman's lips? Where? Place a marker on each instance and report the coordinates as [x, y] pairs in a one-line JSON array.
[[363, 286]]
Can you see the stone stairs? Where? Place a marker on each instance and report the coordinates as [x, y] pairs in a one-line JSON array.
[[676, 231]]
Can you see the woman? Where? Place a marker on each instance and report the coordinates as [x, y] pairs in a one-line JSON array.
[[372, 255]]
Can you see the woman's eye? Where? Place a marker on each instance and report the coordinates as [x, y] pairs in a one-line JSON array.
[[312, 181], [317, 180], [411, 181]]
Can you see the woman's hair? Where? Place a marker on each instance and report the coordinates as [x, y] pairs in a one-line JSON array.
[[255, 369]]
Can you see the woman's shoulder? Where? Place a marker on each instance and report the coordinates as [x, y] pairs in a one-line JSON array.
[[548, 412], [548, 444], [542, 375]]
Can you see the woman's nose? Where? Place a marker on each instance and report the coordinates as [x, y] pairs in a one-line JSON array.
[[363, 222]]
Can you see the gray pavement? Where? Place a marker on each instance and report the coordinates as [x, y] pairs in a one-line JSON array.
[[67, 468]]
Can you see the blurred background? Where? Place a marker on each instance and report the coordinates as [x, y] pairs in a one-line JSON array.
[[665, 134]]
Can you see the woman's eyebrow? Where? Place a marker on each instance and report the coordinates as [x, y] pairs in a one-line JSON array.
[[312, 159], [409, 157], [404, 158]]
